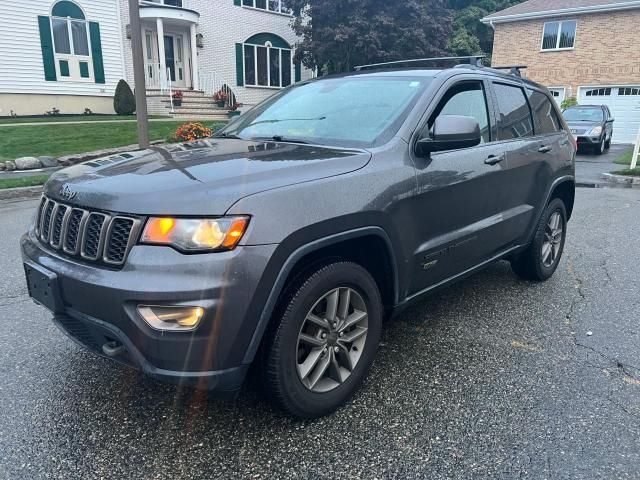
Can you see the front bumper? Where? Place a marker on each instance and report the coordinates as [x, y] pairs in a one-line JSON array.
[[98, 308], [584, 141]]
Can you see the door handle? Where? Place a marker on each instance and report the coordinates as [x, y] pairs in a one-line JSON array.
[[545, 149], [494, 159]]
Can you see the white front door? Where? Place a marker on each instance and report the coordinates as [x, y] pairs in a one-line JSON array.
[[623, 102], [174, 57]]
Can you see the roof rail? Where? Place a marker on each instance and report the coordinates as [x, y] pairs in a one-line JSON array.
[[475, 60], [513, 69]]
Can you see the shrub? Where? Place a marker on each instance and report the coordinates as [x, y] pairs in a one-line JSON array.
[[568, 102], [124, 103], [191, 131]]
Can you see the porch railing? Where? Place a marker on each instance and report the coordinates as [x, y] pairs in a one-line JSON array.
[[210, 83]]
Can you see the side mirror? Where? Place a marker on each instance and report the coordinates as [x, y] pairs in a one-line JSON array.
[[450, 132]]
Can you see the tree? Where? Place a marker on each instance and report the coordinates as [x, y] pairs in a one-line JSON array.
[[124, 102], [337, 35], [470, 36]]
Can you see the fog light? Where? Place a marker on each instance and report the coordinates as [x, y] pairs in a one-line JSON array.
[[176, 319]]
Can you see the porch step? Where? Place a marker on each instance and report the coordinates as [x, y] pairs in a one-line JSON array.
[[223, 117], [185, 93], [198, 108], [195, 101]]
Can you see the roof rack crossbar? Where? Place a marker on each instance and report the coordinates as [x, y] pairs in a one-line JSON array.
[[513, 69], [475, 60]]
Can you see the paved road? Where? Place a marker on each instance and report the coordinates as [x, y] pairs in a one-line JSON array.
[[492, 378], [590, 167]]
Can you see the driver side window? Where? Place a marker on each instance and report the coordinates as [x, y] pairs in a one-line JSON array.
[[467, 99]]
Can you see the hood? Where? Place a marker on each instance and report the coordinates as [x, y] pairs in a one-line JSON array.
[[197, 178]]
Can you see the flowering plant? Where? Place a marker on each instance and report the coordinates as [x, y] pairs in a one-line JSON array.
[[177, 95], [191, 131], [220, 96]]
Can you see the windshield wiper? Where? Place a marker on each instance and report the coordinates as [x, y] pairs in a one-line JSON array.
[[280, 138], [227, 135]]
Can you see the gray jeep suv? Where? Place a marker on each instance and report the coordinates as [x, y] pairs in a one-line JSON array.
[[284, 241]]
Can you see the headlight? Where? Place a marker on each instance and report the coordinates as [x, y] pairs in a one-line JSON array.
[[596, 131], [195, 234]]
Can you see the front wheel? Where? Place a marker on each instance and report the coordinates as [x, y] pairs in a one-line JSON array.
[[540, 260], [323, 340], [601, 147]]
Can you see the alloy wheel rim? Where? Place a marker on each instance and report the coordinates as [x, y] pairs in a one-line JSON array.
[[553, 235], [331, 339]]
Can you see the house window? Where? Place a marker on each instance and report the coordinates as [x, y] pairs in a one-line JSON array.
[[629, 91], [267, 61], [598, 92], [278, 6], [173, 3], [71, 42], [559, 35]]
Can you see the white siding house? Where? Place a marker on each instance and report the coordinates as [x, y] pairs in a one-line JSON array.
[[59, 54], [247, 45], [70, 54]]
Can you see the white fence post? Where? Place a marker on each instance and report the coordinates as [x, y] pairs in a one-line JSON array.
[[636, 151]]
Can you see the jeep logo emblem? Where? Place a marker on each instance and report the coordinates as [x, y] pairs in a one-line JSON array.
[[66, 193]]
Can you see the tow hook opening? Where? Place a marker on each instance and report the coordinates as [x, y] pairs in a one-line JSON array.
[[113, 348]]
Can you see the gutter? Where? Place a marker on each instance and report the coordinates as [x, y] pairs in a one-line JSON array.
[[611, 7]]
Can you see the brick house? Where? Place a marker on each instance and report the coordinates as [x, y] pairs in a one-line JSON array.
[[70, 54], [586, 49]]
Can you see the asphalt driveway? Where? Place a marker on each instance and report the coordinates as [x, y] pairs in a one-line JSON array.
[[492, 378], [590, 167]]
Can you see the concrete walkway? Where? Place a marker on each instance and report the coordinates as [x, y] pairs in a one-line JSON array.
[[84, 122]]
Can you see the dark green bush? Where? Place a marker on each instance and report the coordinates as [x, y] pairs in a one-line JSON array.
[[124, 103]]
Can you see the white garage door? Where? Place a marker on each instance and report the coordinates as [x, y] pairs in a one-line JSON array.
[[558, 94], [624, 103]]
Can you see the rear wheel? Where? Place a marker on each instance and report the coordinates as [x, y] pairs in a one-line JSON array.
[[540, 260], [323, 341]]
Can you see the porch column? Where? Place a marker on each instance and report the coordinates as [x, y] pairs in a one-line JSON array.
[[195, 80], [161, 55]]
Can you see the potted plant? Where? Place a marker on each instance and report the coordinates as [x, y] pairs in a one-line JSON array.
[[233, 109], [221, 97], [176, 98]]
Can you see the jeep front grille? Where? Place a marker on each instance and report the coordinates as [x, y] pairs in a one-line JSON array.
[[92, 236]]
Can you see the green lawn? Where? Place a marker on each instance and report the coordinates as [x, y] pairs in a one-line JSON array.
[[624, 159], [631, 172], [57, 140], [23, 181], [69, 118]]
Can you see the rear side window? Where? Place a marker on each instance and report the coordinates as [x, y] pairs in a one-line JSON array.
[[467, 99], [545, 119], [515, 116]]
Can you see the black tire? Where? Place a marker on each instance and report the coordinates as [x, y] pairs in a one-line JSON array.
[[607, 144], [529, 264], [279, 356]]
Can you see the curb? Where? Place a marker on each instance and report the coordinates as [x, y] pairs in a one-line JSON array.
[[20, 192], [621, 179]]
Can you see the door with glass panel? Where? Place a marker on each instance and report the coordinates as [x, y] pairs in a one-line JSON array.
[[174, 58], [151, 62]]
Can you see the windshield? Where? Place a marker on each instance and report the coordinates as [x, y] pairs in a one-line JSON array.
[[583, 115], [350, 111]]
